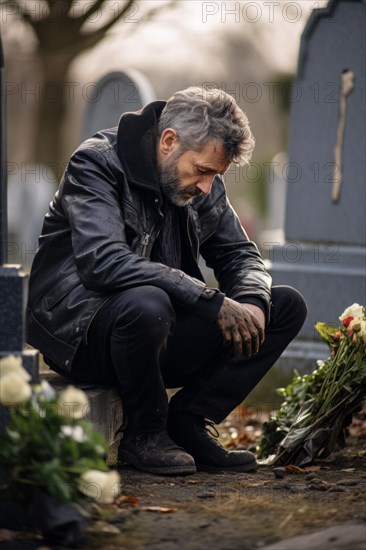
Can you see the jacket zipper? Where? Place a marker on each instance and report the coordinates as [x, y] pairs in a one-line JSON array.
[[145, 239]]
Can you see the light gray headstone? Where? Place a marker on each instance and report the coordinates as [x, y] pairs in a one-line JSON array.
[[29, 193], [114, 94], [324, 254]]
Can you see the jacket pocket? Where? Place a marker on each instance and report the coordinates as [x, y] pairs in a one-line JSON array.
[[62, 291]]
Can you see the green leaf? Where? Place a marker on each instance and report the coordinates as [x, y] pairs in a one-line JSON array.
[[326, 332]]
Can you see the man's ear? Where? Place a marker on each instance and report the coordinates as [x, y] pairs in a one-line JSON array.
[[168, 141]]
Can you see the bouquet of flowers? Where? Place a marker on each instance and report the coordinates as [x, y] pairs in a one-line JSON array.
[[47, 449], [317, 406]]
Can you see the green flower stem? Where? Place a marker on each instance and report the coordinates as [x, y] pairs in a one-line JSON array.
[[333, 383], [335, 388], [349, 362], [325, 384]]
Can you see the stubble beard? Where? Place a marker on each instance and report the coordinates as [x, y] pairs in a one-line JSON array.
[[170, 184]]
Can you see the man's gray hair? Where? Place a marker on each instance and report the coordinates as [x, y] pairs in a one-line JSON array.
[[199, 116]]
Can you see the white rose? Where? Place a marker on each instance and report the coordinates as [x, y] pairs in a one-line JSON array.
[[355, 310], [74, 432], [14, 389], [13, 364], [73, 403], [101, 486]]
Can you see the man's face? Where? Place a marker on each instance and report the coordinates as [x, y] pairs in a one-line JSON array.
[[185, 176]]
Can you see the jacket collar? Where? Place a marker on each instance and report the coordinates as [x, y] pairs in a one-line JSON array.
[[136, 144]]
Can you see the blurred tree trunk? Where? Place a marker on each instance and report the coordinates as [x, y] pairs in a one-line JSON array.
[[60, 40], [48, 147]]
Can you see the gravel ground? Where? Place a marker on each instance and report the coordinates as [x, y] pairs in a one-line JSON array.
[[227, 511]]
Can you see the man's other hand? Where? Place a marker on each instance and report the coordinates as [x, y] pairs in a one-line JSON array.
[[242, 326]]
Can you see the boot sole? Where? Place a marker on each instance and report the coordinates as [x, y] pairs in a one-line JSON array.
[[240, 468], [127, 458]]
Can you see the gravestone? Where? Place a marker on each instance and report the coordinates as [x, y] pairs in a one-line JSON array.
[[275, 199], [29, 194], [324, 253], [114, 94]]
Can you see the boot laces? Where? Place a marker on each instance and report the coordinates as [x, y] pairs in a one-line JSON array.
[[211, 433], [210, 428]]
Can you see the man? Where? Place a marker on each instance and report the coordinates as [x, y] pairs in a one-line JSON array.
[[116, 295]]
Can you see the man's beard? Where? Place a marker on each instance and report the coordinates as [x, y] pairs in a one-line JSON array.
[[170, 185]]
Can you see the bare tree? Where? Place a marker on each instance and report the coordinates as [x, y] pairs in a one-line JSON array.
[[59, 29]]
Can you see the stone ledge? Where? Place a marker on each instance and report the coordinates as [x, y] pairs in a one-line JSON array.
[[105, 413]]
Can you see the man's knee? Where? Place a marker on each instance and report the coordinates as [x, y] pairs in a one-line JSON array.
[[289, 304], [147, 308]]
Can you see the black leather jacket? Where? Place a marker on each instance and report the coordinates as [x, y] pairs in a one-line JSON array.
[[98, 235]]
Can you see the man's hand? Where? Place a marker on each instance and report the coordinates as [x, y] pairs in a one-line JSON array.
[[259, 314], [242, 326]]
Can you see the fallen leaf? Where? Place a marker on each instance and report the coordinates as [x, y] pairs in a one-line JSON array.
[[193, 481], [127, 499], [348, 469], [295, 469], [160, 509], [312, 468]]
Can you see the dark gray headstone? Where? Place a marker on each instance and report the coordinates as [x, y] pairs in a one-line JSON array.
[[324, 255], [115, 94], [330, 45]]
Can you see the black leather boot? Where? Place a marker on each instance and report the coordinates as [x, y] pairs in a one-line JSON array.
[[191, 432], [155, 453]]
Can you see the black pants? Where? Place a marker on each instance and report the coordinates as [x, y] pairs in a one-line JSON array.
[[141, 344]]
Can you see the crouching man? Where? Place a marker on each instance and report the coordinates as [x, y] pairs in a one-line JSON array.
[[116, 295]]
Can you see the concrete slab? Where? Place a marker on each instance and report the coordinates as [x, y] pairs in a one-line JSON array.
[[338, 537]]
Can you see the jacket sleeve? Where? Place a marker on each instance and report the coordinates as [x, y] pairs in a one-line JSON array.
[[103, 258], [236, 261]]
